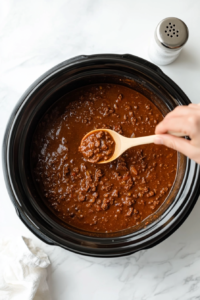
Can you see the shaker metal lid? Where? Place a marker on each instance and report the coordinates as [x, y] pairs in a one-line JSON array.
[[171, 33]]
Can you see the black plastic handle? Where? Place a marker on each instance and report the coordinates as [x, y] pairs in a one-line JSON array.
[[143, 62], [34, 230]]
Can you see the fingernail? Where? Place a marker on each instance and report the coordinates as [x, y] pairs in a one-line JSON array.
[[158, 140]]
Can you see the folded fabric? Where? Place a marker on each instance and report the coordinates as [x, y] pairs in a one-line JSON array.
[[22, 270]]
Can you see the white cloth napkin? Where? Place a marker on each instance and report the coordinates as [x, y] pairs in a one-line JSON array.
[[22, 270]]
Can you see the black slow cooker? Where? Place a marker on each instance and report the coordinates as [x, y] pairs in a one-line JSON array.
[[127, 70]]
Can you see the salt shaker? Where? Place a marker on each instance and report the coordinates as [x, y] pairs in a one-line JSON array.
[[170, 36]]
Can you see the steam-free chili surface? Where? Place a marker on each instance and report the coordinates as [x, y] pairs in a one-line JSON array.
[[96, 197]]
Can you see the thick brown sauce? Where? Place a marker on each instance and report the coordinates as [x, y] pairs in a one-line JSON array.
[[108, 197]]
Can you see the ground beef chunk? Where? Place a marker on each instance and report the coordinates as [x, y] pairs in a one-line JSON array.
[[115, 193], [98, 174], [66, 169], [133, 171], [107, 186], [129, 212], [121, 164]]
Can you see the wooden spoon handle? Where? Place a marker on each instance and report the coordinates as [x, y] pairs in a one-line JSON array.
[[132, 142]]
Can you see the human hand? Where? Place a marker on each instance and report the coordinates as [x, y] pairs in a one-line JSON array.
[[186, 120]]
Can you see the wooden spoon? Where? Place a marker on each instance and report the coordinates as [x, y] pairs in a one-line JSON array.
[[123, 143]]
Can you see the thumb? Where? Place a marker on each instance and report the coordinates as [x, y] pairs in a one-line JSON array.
[[180, 144]]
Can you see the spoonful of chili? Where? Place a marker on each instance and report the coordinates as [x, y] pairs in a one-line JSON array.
[[105, 145]]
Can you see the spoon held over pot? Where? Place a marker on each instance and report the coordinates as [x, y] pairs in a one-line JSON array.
[[105, 145]]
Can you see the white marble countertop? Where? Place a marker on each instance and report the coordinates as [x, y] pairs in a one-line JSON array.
[[35, 36]]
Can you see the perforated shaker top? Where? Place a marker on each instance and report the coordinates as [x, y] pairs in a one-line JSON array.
[[171, 33]]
